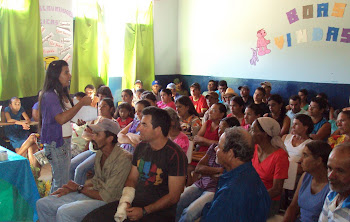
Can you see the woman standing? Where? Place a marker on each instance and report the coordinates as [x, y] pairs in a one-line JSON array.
[[56, 110]]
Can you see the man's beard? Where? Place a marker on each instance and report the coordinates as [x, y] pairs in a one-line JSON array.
[[95, 145]]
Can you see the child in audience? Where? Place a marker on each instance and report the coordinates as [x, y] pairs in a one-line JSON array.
[[124, 114], [150, 97], [18, 132], [127, 96]]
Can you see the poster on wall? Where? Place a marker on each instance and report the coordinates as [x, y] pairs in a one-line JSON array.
[[56, 19]]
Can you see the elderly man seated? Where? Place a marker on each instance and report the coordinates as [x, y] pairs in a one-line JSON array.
[[112, 166], [241, 195], [337, 204]]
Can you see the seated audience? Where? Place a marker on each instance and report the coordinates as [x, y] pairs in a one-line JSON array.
[[212, 98], [150, 97], [229, 93], [294, 108], [82, 163], [175, 133], [138, 85], [304, 104], [28, 148], [73, 201], [244, 92], [252, 112], [212, 87], [270, 158], [313, 185], [194, 197], [129, 137], [104, 92], [157, 177], [179, 87], [166, 99], [237, 109], [267, 86], [190, 123], [241, 196], [337, 203], [138, 94], [278, 112], [124, 114], [343, 123], [127, 96], [19, 131], [222, 89], [155, 89], [258, 97], [90, 91], [198, 100], [322, 128], [298, 138], [172, 88]]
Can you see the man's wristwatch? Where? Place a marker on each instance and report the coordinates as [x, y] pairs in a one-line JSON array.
[[80, 188], [144, 212]]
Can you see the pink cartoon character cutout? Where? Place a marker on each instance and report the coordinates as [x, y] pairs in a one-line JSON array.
[[262, 43]]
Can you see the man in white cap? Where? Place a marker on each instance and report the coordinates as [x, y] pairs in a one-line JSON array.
[[267, 86], [172, 87], [112, 166]]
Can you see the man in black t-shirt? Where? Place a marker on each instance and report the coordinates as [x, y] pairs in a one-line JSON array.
[[157, 177]]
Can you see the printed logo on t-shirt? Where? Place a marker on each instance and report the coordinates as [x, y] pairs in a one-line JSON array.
[[149, 173]]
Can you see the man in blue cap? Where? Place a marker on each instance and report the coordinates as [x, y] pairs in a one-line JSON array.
[[155, 89]]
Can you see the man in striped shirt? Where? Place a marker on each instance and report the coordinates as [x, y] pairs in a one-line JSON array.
[[337, 204]]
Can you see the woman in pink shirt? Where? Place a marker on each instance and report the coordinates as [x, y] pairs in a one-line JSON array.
[[166, 99]]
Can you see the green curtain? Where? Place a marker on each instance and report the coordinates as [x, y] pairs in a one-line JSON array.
[[22, 70], [139, 50], [90, 48]]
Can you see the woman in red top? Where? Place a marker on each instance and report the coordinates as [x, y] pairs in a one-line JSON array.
[[206, 136], [270, 159]]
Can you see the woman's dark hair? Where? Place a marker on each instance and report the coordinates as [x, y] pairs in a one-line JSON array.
[[319, 148], [110, 103], [278, 99], [261, 89], [89, 87], [322, 104], [304, 91], [322, 95], [231, 121], [143, 102], [149, 95], [186, 101], [239, 101], [168, 91], [124, 105], [52, 83], [105, 91], [79, 94], [256, 109], [222, 108], [129, 92], [306, 121]]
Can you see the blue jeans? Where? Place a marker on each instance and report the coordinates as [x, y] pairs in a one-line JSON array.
[[70, 207], [59, 159], [80, 165], [191, 203]]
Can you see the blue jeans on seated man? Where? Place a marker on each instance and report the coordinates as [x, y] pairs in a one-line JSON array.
[[191, 203], [80, 165], [71, 207], [59, 159]]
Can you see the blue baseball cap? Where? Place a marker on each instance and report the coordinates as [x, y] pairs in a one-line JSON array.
[[155, 82]]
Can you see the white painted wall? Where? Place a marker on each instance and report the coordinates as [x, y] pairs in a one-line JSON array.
[[165, 25], [215, 38]]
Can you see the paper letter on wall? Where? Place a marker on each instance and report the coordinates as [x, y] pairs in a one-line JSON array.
[[301, 36], [332, 31], [279, 41], [308, 11], [345, 36], [322, 10], [317, 34], [292, 16], [338, 9]]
